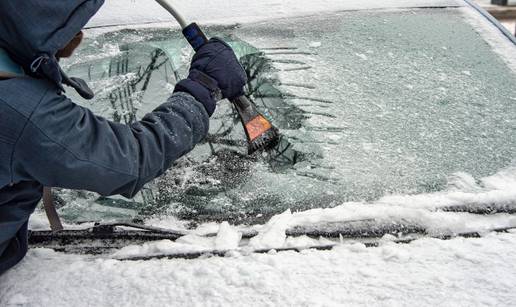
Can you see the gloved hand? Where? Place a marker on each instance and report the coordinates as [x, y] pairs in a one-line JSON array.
[[215, 74]]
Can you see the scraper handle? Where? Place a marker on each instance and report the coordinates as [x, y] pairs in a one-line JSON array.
[[197, 39], [195, 36], [261, 134]]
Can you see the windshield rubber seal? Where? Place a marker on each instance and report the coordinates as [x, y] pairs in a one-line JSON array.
[[493, 20]]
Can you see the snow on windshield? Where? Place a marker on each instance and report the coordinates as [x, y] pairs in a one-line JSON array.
[[370, 104]]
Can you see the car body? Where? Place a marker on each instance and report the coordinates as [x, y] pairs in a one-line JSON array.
[[397, 117]]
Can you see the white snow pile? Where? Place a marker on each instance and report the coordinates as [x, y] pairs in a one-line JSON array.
[[423, 210], [272, 235], [228, 238], [459, 272]]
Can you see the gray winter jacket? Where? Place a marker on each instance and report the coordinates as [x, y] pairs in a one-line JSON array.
[[47, 140]]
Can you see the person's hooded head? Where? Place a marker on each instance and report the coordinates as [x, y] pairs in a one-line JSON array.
[[33, 32]]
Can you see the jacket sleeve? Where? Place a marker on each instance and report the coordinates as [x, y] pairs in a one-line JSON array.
[[65, 145]]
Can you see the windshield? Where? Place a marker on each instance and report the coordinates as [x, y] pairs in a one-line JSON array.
[[369, 104]]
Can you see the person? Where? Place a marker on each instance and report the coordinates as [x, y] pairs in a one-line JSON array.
[[47, 140]]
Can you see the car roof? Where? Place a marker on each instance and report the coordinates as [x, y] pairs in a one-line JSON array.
[[119, 12]]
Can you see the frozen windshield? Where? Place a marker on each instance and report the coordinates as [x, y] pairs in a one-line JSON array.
[[369, 103]]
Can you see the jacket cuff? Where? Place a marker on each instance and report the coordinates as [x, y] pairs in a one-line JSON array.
[[206, 94]]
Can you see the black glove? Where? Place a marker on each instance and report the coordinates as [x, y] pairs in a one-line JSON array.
[[215, 74]]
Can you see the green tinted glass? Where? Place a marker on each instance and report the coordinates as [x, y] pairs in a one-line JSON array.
[[368, 103]]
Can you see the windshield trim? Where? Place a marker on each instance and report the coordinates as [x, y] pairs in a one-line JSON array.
[[492, 20]]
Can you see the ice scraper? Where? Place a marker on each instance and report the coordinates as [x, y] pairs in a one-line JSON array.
[[261, 134]]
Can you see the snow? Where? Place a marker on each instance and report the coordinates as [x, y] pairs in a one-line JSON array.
[[459, 272], [493, 37], [227, 237], [315, 44], [423, 209], [272, 234], [117, 12], [183, 245], [362, 56]]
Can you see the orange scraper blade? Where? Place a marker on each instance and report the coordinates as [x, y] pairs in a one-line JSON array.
[[257, 126]]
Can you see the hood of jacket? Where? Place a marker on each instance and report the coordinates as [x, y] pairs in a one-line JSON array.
[[33, 31]]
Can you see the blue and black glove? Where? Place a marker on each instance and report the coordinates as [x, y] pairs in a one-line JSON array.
[[215, 74]]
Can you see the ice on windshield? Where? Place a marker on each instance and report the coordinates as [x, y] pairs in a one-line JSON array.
[[369, 104]]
